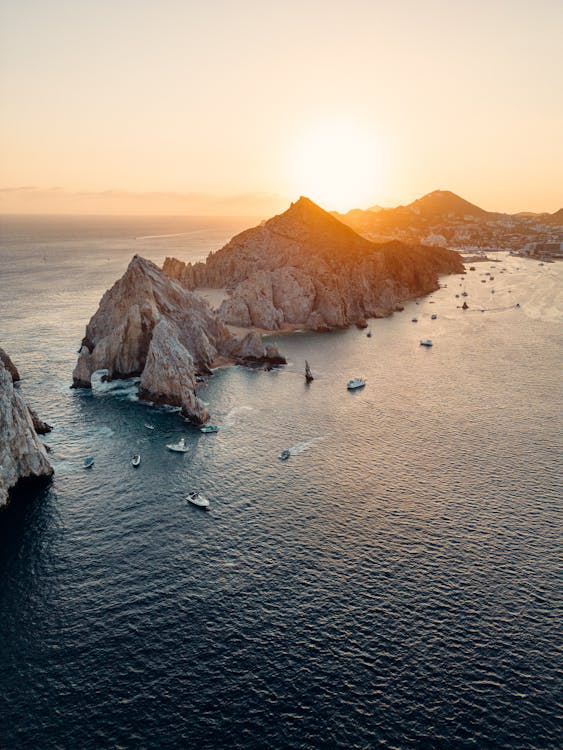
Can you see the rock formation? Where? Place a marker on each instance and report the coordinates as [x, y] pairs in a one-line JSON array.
[[9, 365], [22, 455], [149, 325], [306, 268]]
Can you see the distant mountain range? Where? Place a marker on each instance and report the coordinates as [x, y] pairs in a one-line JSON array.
[[442, 217]]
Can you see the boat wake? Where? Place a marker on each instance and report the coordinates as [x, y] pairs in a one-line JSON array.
[[305, 445]]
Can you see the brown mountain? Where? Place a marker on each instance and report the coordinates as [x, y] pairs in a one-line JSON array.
[[306, 268]]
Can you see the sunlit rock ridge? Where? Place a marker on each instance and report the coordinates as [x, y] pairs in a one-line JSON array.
[[306, 268], [150, 326], [22, 455]]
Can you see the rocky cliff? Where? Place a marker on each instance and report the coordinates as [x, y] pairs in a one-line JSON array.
[[22, 455], [306, 268], [151, 326]]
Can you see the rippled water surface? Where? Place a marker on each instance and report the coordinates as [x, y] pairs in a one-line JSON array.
[[395, 583]]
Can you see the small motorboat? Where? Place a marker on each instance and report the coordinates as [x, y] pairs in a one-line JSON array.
[[426, 342], [355, 383], [136, 460], [433, 317], [208, 428], [196, 498], [179, 447], [284, 455], [88, 462], [414, 320], [149, 426]]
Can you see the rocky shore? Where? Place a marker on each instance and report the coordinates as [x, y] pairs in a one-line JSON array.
[[305, 268], [22, 455], [151, 326]]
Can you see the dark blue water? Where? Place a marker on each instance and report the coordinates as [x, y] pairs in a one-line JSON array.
[[396, 583]]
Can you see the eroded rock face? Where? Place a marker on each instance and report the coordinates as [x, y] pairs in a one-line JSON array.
[[306, 268], [9, 365], [22, 455], [150, 325]]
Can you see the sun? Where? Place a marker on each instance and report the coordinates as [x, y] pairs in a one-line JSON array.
[[337, 164]]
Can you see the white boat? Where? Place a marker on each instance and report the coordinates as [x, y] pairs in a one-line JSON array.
[[209, 428], [179, 447], [196, 498], [356, 383], [426, 342], [88, 462], [149, 426], [136, 460]]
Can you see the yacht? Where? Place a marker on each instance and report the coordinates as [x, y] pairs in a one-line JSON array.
[[179, 447], [196, 498]]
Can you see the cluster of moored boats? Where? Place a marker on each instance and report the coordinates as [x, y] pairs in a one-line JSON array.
[[195, 498]]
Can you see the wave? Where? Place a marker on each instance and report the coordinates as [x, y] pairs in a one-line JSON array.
[[305, 445]]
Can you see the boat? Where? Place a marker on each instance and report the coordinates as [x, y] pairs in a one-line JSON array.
[[149, 426], [284, 455], [209, 428], [88, 462], [196, 498], [414, 320], [368, 334], [136, 460], [433, 317], [179, 447], [308, 374], [355, 383], [426, 342]]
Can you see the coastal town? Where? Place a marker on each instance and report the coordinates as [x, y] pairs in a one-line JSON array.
[[443, 218]]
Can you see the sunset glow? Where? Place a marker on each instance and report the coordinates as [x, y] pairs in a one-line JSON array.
[[237, 108], [339, 163]]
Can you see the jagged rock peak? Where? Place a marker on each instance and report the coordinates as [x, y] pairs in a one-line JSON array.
[[9, 365]]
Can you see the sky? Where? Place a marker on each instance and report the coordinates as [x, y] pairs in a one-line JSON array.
[[239, 106]]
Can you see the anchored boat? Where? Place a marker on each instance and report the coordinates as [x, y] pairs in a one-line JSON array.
[[179, 447], [196, 498]]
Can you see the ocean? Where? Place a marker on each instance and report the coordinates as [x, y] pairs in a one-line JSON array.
[[396, 583]]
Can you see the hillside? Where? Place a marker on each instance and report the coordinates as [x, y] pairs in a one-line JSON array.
[[306, 268]]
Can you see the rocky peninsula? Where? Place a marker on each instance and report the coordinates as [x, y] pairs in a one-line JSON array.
[[305, 268], [151, 326], [22, 454]]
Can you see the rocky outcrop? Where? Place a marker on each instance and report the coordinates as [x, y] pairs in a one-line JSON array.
[[22, 455], [151, 326], [40, 427], [9, 365], [306, 268]]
